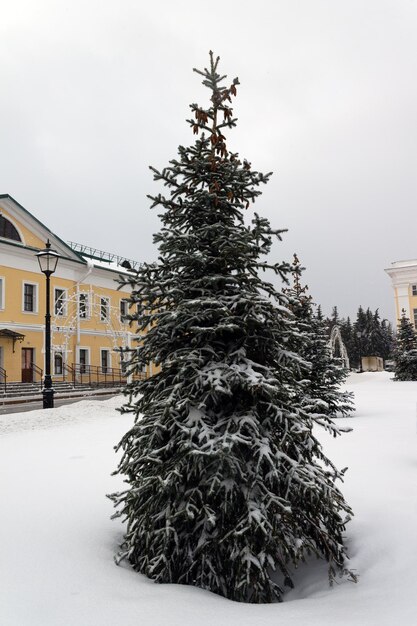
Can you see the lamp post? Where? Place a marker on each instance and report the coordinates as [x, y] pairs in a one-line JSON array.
[[48, 260]]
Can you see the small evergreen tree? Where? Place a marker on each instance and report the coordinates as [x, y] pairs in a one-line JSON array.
[[346, 330], [335, 318], [328, 373], [321, 383], [375, 334], [388, 341], [406, 350], [299, 303], [227, 483]]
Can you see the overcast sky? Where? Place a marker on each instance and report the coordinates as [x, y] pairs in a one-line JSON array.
[[94, 91]]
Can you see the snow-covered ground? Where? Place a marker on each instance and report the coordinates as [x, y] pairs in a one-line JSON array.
[[57, 540]]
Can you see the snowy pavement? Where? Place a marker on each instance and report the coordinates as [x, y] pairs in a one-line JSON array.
[[57, 540], [23, 407]]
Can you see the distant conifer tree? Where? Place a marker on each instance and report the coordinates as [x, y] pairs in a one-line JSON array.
[[406, 350], [388, 341], [369, 336]]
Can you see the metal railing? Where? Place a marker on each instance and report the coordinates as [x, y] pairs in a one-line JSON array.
[[37, 371], [68, 373], [96, 376], [100, 255], [3, 378]]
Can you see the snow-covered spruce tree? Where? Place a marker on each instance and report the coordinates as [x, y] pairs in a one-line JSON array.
[[328, 373], [227, 486], [406, 350], [321, 382], [388, 341]]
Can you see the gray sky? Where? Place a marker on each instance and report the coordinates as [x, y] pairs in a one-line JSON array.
[[94, 91]]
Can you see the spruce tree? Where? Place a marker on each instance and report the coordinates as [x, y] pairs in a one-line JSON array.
[[387, 346], [406, 350], [325, 374], [300, 305], [346, 331], [335, 319], [228, 487], [328, 373], [360, 337]]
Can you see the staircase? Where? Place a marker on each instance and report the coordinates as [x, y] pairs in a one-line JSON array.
[[32, 392]]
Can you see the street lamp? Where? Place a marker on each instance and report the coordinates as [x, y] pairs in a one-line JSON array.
[[48, 260]]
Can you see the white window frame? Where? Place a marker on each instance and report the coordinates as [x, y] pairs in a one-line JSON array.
[[106, 300], [414, 290], [2, 293], [64, 301], [87, 305], [36, 297]]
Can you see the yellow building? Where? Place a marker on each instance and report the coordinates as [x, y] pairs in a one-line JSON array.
[[87, 309], [403, 275]]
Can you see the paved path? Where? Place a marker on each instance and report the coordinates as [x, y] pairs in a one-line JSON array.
[[33, 406]]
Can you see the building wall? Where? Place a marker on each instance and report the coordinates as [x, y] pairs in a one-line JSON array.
[[27, 236], [100, 330], [372, 364], [94, 333], [403, 276]]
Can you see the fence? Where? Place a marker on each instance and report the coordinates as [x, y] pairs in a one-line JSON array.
[[3, 378], [94, 375], [37, 374]]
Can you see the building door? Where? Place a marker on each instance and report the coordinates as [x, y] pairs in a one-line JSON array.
[[27, 360]]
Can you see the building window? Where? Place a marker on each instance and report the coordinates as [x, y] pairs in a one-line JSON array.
[[414, 290], [124, 310], [2, 284], [30, 297], [83, 360], [58, 363], [415, 317], [105, 361], [7, 230], [83, 306], [104, 309], [60, 301]]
